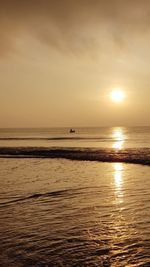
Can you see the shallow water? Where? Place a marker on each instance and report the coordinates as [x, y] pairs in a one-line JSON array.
[[57, 212]]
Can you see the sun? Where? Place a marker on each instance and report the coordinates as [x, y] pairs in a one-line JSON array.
[[117, 95]]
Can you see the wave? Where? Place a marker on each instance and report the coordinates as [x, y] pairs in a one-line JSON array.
[[138, 156], [55, 138], [53, 194]]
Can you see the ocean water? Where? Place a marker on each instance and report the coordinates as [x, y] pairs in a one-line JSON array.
[[102, 137], [75, 199]]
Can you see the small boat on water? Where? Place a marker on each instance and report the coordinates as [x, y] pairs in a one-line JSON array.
[[72, 130]]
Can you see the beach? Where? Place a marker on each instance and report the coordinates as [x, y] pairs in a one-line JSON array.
[[57, 212], [75, 133], [69, 212]]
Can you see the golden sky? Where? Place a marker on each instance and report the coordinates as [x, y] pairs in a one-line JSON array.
[[60, 59]]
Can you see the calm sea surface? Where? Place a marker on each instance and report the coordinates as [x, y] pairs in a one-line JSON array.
[[62, 212], [114, 137]]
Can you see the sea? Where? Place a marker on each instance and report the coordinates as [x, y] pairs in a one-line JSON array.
[[75, 199]]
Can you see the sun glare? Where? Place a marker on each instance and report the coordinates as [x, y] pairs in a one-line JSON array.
[[117, 95]]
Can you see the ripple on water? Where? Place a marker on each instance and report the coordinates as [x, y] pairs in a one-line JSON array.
[[85, 215]]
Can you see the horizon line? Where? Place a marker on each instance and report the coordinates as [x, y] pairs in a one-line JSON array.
[[47, 127]]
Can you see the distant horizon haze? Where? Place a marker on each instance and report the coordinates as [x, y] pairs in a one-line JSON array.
[[76, 127]]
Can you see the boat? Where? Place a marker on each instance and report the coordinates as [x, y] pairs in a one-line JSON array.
[[72, 130]]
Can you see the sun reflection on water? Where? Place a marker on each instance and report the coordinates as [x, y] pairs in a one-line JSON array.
[[118, 137], [118, 180]]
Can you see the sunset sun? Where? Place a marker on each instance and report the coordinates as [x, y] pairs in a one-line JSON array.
[[117, 95]]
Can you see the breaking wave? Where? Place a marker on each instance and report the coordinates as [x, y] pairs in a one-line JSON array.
[[138, 156]]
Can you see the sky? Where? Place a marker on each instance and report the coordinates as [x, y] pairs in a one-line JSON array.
[[60, 59]]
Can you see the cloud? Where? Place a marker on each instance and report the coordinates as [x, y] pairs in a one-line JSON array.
[[74, 25]]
